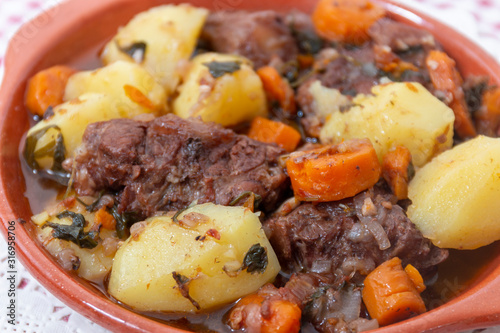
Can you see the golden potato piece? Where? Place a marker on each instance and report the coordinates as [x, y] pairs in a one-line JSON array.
[[128, 83], [159, 39], [235, 95], [195, 263], [400, 114], [455, 197]]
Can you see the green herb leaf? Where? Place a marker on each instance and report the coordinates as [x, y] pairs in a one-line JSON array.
[[175, 218], [255, 260], [74, 232], [123, 221], [54, 149], [183, 285], [92, 207], [257, 199], [136, 51], [411, 171], [308, 41], [218, 69]]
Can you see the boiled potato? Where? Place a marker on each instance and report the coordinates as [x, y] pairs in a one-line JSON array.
[[455, 197], [400, 114], [93, 264], [326, 101], [70, 120], [159, 39], [128, 83], [234, 97], [206, 257]]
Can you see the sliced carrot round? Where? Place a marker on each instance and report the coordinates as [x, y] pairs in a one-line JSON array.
[[346, 20], [281, 315], [446, 78], [277, 88], [270, 131], [334, 172], [47, 88], [390, 295]]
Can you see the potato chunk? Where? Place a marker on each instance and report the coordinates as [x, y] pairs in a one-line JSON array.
[[455, 197], [69, 122], [326, 101], [234, 96], [91, 263], [400, 114], [195, 263], [159, 39], [129, 84]]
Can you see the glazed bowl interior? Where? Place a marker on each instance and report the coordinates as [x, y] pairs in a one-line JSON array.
[[73, 33]]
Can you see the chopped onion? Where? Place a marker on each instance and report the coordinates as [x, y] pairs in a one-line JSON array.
[[372, 222], [378, 233]]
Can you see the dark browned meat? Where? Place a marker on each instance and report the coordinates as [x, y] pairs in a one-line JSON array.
[[350, 76], [259, 36], [399, 36], [339, 239], [169, 162], [410, 44]]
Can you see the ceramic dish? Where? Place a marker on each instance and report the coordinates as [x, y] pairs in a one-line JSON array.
[[70, 32]]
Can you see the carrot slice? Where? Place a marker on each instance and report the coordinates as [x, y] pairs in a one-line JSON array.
[[395, 168], [334, 172], [491, 99], [346, 20], [415, 277], [277, 88], [269, 131], [390, 295], [487, 117], [105, 219], [138, 97], [389, 62], [46, 88], [280, 316], [445, 77]]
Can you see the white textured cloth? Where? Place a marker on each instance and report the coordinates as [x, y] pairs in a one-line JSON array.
[[39, 311]]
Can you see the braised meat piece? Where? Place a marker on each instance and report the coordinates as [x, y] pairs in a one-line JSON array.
[[400, 37], [259, 36], [169, 162], [339, 239]]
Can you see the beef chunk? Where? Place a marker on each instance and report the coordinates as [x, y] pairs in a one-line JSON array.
[[399, 36], [410, 44], [337, 239], [259, 36], [169, 162], [350, 76]]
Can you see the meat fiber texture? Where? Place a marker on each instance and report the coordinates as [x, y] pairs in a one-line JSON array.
[[169, 162], [342, 238], [258, 36]]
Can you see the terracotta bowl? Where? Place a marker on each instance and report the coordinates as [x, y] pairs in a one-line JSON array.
[[72, 32]]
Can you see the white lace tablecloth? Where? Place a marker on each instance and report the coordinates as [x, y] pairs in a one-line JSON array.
[[39, 311]]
